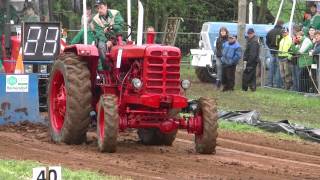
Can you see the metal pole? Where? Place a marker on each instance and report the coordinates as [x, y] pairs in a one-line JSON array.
[[291, 17], [140, 23], [279, 11], [250, 13], [85, 22], [50, 10], [129, 18], [7, 26]]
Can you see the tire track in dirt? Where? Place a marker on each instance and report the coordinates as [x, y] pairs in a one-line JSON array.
[[263, 150], [248, 154]]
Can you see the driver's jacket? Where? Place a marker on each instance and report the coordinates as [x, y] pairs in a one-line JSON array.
[[113, 20]]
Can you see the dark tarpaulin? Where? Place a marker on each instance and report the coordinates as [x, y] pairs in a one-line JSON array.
[[254, 118]]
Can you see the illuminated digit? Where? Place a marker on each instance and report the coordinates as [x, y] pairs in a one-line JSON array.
[[50, 44], [32, 40]]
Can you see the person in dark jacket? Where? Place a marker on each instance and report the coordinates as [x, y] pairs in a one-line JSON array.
[[223, 37], [272, 40], [231, 54], [251, 60]]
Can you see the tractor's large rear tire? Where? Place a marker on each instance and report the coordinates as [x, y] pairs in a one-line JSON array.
[[154, 136], [108, 123], [205, 75], [69, 99], [206, 142]]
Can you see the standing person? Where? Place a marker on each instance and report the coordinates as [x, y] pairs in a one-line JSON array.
[[107, 24], [315, 20], [304, 48], [13, 16], [223, 37], [311, 35], [30, 14], [231, 54], [284, 57], [251, 59], [316, 49], [294, 50], [272, 40], [313, 10]]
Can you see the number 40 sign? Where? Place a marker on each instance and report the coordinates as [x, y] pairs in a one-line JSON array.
[[43, 173]]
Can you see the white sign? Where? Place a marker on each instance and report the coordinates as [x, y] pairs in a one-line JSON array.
[[41, 173], [17, 83]]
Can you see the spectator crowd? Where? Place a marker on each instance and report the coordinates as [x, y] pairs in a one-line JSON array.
[[292, 56]]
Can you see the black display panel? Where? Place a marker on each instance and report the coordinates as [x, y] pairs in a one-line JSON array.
[[41, 41]]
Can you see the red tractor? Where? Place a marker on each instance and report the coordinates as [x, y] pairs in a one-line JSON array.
[[143, 90]]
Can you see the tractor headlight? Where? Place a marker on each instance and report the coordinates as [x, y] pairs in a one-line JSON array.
[[43, 69], [136, 83], [28, 68], [185, 84]]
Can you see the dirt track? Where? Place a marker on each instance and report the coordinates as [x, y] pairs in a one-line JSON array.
[[239, 156]]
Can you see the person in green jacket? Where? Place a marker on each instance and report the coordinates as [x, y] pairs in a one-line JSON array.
[[79, 38], [13, 16], [107, 24], [30, 14]]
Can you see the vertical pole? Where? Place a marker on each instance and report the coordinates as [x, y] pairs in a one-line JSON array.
[[279, 11], [318, 73], [50, 10], [140, 23], [250, 13], [85, 22], [291, 16], [242, 15], [129, 18]]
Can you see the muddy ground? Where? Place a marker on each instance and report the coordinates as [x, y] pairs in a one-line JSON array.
[[239, 156]]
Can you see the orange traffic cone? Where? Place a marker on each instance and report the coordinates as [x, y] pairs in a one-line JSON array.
[[19, 64]]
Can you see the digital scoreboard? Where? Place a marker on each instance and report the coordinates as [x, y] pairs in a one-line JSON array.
[[41, 41]]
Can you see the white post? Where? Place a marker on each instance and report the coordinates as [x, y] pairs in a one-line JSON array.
[[129, 17], [291, 17], [279, 11], [85, 22], [140, 23], [250, 13]]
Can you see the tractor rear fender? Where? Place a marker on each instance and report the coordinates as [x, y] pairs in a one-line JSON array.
[[87, 53]]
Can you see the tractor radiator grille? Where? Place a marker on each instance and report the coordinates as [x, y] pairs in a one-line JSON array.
[[162, 73]]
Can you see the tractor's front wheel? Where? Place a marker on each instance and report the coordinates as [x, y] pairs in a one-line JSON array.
[[69, 99], [206, 142], [108, 123]]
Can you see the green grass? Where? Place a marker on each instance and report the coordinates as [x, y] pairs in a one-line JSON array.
[[272, 104], [16, 170], [238, 127]]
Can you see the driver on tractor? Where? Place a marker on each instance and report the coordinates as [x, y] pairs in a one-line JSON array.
[[108, 23]]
